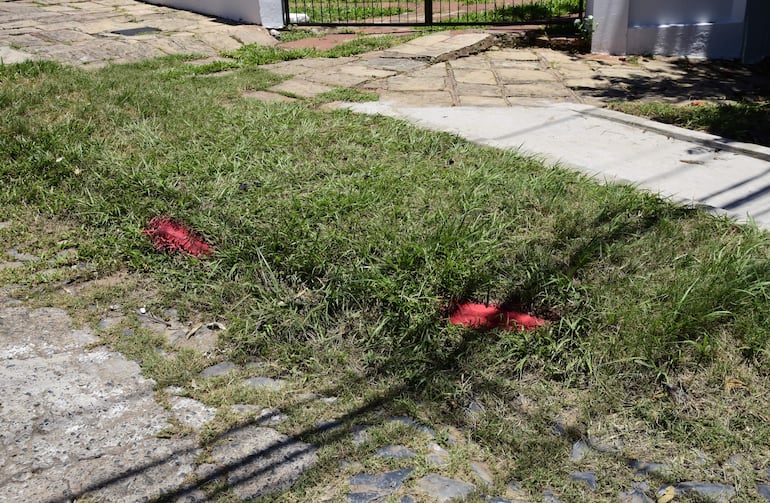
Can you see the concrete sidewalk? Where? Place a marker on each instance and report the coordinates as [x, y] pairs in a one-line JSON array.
[[550, 104], [685, 166]]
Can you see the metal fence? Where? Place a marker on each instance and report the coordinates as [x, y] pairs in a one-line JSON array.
[[431, 12]]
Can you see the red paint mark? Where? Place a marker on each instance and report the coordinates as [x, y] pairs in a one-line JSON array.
[[170, 234], [475, 315]]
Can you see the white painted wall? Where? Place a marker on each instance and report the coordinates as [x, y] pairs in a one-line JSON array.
[[692, 28], [268, 13]]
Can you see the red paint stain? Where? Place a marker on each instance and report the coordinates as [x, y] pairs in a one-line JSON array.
[[170, 234], [475, 315]]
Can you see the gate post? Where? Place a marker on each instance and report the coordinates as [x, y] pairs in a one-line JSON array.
[[428, 12]]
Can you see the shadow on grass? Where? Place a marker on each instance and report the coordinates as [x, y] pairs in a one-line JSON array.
[[741, 93]]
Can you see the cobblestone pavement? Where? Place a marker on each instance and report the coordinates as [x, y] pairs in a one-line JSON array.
[[446, 68], [92, 33], [473, 70]]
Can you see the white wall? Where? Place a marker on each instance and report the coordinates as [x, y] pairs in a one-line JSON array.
[[268, 13], [693, 28]]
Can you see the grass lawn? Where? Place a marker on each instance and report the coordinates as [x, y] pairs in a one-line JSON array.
[[341, 240]]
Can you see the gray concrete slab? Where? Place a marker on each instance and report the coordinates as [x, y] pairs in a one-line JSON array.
[[687, 167], [9, 56], [93, 34], [79, 421]]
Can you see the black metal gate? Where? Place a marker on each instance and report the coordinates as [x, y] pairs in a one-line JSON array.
[[431, 12]]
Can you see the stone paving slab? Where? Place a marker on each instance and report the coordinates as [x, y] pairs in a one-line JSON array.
[[82, 421], [441, 46], [83, 33], [10, 56], [301, 87], [467, 76]]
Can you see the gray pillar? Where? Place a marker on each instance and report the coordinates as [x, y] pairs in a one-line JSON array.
[[756, 40], [610, 26]]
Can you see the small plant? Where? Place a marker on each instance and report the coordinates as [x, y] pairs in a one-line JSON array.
[[585, 27]]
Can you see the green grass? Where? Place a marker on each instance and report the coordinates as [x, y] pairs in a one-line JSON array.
[[746, 122], [326, 11], [481, 12], [340, 241], [254, 55]]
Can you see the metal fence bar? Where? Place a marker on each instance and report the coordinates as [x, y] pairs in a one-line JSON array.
[[435, 12]]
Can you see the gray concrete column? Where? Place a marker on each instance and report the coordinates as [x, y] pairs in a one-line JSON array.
[[271, 13], [610, 26]]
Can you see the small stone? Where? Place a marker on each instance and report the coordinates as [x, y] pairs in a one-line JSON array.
[[329, 399], [142, 310], [482, 473], [644, 468], [270, 416], [605, 447], [579, 451], [497, 499], [174, 390], [360, 435], [549, 497], [636, 494], [4, 225], [246, 408], [703, 489], [219, 370], [388, 481], [407, 499], [437, 455], [443, 488], [395, 452], [474, 410], [21, 257], [408, 421], [266, 383], [127, 332], [275, 34], [588, 478], [365, 496], [764, 491]]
